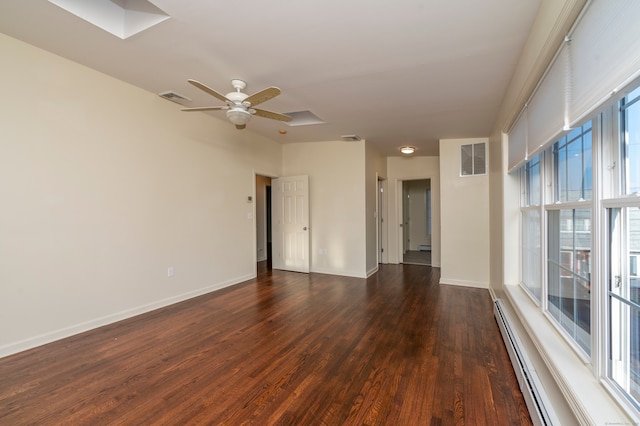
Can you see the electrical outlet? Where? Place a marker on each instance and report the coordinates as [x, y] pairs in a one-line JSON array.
[[170, 272]]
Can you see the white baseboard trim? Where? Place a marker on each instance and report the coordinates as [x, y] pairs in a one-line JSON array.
[[42, 339], [339, 273], [372, 271], [464, 283], [492, 293]]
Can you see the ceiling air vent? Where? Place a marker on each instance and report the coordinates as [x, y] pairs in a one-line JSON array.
[[174, 97], [350, 138]]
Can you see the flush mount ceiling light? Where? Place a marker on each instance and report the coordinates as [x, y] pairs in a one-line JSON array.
[[408, 150]]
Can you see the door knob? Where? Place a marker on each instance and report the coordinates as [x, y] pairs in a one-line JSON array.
[[304, 229]]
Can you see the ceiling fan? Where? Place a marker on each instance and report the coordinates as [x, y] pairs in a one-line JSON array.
[[239, 105]]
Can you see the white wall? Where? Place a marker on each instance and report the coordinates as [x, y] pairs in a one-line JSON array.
[[104, 186], [337, 197], [412, 168], [376, 168], [464, 204]]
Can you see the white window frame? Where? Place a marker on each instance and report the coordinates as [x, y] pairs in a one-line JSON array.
[[525, 207], [613, 196], [550, 203], [574, 205]]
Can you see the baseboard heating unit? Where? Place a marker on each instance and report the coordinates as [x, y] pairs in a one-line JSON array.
[[540, 409]]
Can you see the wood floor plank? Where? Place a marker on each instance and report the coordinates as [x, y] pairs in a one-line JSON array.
[[282, 349]]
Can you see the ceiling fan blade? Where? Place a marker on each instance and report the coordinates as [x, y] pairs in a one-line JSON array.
[[211, 108], [272, 115], [240, 126], [209, 90], [263, 95]]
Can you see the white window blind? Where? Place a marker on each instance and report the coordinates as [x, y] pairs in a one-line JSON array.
[[518, 142], [605, 54], [601, 58], [547, 108]]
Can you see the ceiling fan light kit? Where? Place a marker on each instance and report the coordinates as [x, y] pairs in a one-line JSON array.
[[239, 105], [238, 116], [408, 150]]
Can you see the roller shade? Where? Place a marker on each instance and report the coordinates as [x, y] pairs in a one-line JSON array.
[[547, 109], [599, 58], [604, 54], [518, 142]]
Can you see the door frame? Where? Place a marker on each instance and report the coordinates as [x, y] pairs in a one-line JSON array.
[[395, 210], [382, 222], [255, 218]]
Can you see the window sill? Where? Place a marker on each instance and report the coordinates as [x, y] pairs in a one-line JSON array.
[[586, 396]]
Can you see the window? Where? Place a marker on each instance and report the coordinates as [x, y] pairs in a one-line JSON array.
[[584, 120], [569, 216], [569, 274], [572, 165], [622, 280], [531, 229], [630, 141], [532, 182], [624, 300], [473, 159]]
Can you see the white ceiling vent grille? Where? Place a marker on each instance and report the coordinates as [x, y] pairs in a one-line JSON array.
[[122, 18], [174, 97]]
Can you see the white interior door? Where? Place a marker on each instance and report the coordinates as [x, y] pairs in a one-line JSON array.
[[290, 223]]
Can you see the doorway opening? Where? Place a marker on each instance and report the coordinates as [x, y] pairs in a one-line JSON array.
[[263, 222], [282, 223], [381, 225], [416, 222]]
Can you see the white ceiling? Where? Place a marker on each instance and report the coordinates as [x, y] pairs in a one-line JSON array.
[[401, 72]]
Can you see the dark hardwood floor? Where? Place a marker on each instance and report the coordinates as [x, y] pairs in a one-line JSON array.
[[414, 257], [286, 349]]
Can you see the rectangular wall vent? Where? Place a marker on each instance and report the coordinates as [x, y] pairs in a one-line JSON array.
[[174, 97], [473, 159]]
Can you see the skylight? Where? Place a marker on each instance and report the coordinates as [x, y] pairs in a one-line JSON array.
[[303, 118], [122, 18]]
